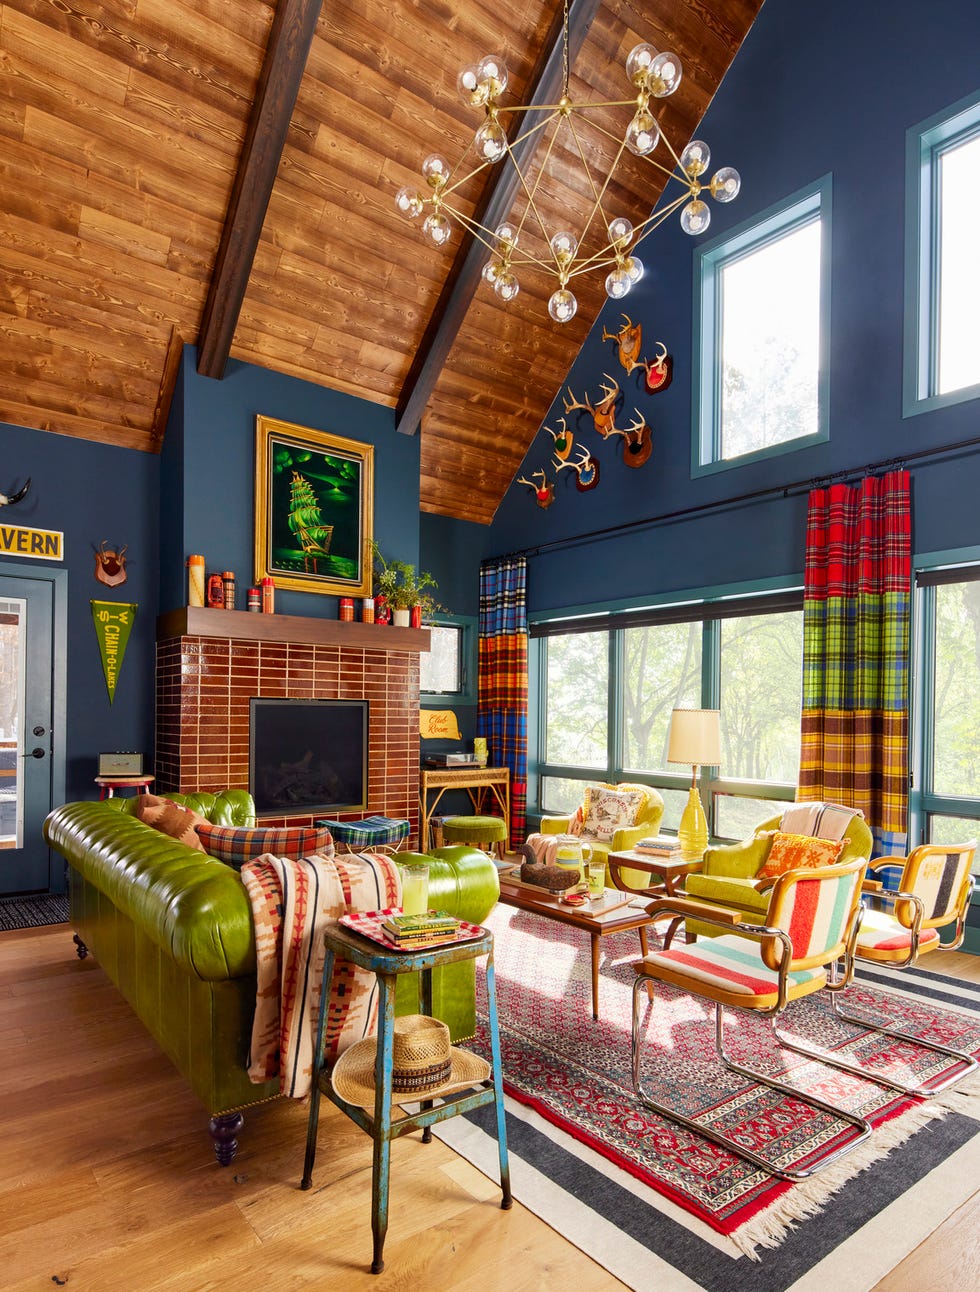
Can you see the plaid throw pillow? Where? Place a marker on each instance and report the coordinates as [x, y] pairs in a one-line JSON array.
[[236, 846], [170, 818], [798, 852]]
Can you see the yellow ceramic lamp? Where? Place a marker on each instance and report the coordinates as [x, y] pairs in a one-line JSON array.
[[695, 739]]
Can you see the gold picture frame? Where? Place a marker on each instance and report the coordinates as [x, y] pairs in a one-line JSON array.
[[314, 509]]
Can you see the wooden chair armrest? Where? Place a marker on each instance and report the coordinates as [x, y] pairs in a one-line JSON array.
[[872, 886], [686, 906]]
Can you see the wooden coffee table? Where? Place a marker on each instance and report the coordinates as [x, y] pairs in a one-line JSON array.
[[666, 874], [537, 900]]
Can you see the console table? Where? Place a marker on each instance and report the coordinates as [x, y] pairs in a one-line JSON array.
[[477, 781]]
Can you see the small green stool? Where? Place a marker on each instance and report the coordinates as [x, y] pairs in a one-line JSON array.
[[481, 831]]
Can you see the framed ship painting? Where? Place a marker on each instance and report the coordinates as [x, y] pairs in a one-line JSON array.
[[314, 505]]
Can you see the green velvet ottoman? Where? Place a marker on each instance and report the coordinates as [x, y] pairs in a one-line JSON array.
[[480, 831]]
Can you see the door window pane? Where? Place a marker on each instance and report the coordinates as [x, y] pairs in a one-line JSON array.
[[12, 630], [440, 669], [956, 691], [761, 697], [661, 672], [577, 705]]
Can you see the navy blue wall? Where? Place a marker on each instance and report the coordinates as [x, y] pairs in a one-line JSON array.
[[210, 447], [94, 492], [815, 90]]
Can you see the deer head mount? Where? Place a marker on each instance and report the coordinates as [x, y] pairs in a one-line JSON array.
[[563, 440], [544, 493], [627, 341], [658, 371], [6, 500], [637, 441], [586, 470], [110, 564], [603, 413]]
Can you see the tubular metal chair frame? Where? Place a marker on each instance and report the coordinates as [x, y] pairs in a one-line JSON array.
[[776, 952], [912, 918]]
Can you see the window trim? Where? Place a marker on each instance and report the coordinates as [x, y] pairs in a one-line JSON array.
[[467, 624], [815, 201], [924, 143]]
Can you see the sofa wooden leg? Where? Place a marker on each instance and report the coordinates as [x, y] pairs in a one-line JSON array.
[[224, 1131], [81, 950]]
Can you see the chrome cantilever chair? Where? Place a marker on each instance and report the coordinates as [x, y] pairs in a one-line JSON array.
[[898, 927], [810, 926]]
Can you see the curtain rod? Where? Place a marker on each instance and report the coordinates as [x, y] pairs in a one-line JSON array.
[[724, 504]]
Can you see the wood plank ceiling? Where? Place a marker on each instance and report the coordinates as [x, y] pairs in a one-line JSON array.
[[206, 171]]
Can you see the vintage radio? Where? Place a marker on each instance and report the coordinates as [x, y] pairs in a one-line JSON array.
[[121, 764]]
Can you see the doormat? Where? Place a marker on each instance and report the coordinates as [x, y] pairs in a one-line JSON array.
[[32, 912]]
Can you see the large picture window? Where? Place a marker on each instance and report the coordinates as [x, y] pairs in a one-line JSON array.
[[945, 799], [763, 325], [942, 361], [606, 696]]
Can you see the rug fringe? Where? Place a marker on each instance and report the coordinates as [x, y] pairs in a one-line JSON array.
[[809, 1197], [963, 1097]]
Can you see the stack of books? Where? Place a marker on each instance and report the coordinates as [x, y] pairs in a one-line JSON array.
[[660, 845], [415, 932]]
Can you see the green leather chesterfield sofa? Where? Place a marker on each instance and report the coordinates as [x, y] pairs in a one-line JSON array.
[[173, 930]]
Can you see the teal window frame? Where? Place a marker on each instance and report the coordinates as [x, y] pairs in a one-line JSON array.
[[467, 626], [814, 202], [700, 606], [924, 802], [925, 144]]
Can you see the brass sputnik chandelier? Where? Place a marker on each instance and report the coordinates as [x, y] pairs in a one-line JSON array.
[[606, 242]]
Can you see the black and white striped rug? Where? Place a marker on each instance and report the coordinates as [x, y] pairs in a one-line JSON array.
[[32, 912]]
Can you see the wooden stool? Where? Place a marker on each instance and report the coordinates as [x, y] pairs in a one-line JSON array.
[[109, 784], [484, 832]]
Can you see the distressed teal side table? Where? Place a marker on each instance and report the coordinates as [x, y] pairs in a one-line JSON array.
[[343, 943]]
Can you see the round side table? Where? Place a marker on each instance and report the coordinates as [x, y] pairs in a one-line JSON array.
[[109, 784]]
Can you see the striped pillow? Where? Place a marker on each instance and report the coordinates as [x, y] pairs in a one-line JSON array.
[[235, 846]]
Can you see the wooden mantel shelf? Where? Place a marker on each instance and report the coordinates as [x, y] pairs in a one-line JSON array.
[[245, 625]]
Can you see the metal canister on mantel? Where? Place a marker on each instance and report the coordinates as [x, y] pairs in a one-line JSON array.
[[347, 608], [255, 600]]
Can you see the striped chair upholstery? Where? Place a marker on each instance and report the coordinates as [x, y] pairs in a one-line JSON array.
[[898, 926], [810, 926]]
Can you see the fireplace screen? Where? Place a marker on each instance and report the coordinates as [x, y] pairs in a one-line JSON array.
[[308, 755]]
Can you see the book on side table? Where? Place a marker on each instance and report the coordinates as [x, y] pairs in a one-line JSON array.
[[660, 845]]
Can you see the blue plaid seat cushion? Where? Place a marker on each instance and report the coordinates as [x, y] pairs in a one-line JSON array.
[[372, 832]]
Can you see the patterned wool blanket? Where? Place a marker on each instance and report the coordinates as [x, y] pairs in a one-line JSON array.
[[292, 901], [819, 820]]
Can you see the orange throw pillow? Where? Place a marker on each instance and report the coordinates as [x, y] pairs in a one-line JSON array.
[[799, 852]]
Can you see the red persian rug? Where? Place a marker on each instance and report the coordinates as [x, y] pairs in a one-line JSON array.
[[575, 1072]]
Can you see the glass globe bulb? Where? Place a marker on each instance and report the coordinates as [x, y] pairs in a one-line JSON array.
[[438, 228], [491, 72], [642, 134], [664, 75], [620, 231], [695, 158], [506, 234], [618, 283], [471, 90], [490, 271], [638, 62], [634, 267], [408, 203], [564, 246], [695, 217], [562, 305], [490, 141], [435, 170], [506, 285], [725, 184]]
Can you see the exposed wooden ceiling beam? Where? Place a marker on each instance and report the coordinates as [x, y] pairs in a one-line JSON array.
[[464, 276], [290, 38]]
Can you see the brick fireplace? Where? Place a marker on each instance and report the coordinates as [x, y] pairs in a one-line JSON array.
[[211, 662]]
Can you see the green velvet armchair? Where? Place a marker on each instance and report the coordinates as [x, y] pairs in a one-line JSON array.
[[729, 874]]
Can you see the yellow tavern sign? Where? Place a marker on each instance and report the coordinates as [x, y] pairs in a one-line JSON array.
[[41, 544]]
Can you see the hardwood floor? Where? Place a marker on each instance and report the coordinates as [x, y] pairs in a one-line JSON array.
[[107, 1182]]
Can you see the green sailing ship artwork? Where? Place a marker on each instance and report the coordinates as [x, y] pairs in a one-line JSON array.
[[317, 528]]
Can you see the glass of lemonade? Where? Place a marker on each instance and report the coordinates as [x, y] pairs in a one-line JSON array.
[[415, 889]]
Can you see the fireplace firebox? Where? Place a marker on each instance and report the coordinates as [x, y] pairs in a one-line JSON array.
[[307, 755]]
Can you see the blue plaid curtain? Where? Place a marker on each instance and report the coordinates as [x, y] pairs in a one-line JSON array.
[[502, 678]]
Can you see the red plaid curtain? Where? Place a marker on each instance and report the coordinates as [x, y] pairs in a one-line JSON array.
[[854, 737], [502, 678]]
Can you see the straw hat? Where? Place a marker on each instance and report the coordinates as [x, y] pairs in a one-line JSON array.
[[424, 1065]]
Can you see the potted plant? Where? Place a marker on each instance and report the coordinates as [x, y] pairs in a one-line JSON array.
[[407, 592]]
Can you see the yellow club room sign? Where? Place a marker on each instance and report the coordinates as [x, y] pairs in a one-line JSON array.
[[40, 544], [113, 620]]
